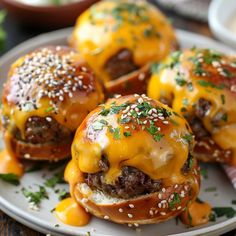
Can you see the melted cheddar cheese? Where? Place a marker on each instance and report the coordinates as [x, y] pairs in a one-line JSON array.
[[187, 77], [197, 213], [151, 138], [110, 26], [9, 164], [70, 213]]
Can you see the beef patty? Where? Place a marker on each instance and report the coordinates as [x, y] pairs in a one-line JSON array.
[[120, 64], [39, 130], [130, 183]]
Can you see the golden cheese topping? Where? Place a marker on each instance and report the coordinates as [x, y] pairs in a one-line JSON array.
[[52, 82], [133, 131], [9, 164], [197, 213], [111, 26], [187, 78], [69, 212]]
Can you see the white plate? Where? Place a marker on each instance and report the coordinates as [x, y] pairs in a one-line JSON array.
[[15, 204]]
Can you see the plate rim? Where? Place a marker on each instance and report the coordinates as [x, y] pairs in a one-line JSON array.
[[33, 221]]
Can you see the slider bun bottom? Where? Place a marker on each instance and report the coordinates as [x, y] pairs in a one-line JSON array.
[[146, 209], [40, 152]]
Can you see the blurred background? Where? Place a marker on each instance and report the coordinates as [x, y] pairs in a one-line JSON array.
[[23, 19]]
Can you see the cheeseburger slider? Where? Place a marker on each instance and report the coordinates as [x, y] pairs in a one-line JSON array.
[[117, 38], [132, 162], [47, 95], [201, 84]]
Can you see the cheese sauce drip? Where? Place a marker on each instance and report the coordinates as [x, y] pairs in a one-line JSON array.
[[187, 77], [110, 26], [69, 212], [197, 213], [134, 131], [52, 82]]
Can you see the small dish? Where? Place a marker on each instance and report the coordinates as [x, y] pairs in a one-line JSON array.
[[49, 17], [220, 13]]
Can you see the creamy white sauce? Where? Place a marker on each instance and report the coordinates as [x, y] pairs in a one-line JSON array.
[[46, 2], [232, 24]]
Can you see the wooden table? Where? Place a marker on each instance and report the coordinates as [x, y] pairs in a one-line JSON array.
[[8, 226]]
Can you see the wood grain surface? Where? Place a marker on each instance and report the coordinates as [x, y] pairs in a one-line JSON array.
[[8, 226]]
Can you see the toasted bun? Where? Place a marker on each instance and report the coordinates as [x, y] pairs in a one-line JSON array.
[[144, 137], [135, 82], [201, 84], [146, 209], [129, 35], [47, 95]]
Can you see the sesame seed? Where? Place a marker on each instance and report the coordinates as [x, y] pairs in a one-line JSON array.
[[151, 212], [121, 210], [27, 155], [179, 207], [49, 119], [136, 224], [106, 217], [163, 190], [130, 215], [163, 213], [141, 76], [140, 100], [131, 205], [84, 200], [130, 225]]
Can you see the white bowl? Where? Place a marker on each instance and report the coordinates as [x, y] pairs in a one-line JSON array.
[[220, 12]]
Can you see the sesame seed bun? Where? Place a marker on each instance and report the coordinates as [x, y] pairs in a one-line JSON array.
[[47, 95], [132, 162], [200, 84]]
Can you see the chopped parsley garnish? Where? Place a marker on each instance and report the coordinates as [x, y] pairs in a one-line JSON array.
[[190, 86], [224, 117], [99, 124], [158, 137], [222, 96], [156, 67], [188, 138], [180, 81], [190, 161], [207, 84], [229, 212], [58, 178], [62, 194], [174, 59], [210, 189], [10, 178], [115, 132], [127, 134], [211, 56], [185, 101], [3, 34], [49, 109], [174, 201], [204, 173], [125, 120], [35, 197]]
